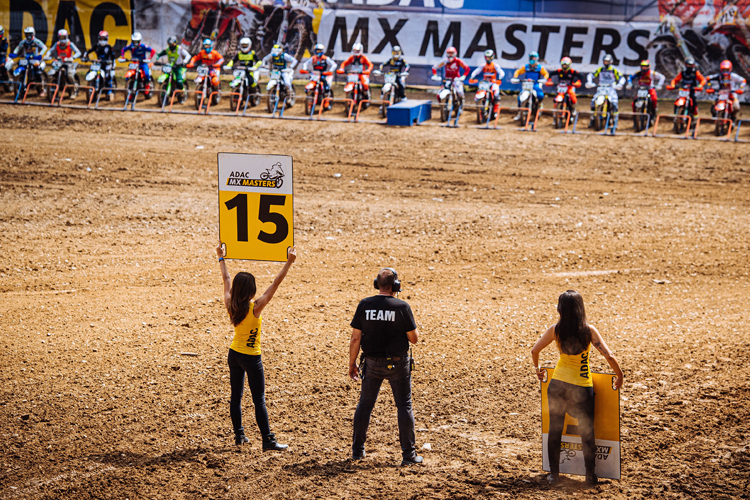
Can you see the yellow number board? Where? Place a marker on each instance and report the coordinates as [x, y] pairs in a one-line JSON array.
[[256, 206]]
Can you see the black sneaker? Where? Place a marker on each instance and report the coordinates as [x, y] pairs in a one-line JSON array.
[[358, 456], [415, 460], [591, 479]]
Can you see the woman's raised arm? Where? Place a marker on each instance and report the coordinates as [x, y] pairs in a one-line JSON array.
[[224, 275], [264, 299]]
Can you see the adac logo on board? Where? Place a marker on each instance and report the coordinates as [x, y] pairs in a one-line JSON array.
[[273, 177]]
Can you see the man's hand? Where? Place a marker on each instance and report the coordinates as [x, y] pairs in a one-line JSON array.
[[354, 372]]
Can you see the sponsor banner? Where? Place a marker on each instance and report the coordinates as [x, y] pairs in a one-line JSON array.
[[83, 19], [606, 431], [256, 206], [425, 37]]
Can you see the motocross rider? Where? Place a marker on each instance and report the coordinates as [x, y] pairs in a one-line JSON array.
[[31, 45], [570, 77], [607, 74], [210, 58], [729, 81], [358, 58], [278, 59], [532, 71], [143, 54], [491, 71], [453, 66], [692, 79], [645, 78], [67, 52], [398, 65], [104, 53], [177, 57], [4, 59], [321, 62], [246, 57]]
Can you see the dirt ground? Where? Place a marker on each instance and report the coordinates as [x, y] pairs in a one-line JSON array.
[[108, 223]]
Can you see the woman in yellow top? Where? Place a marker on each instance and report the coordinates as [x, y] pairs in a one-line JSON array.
[[571, 389], [244, 353]]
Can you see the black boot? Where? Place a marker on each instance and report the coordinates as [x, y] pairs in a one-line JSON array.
[[270, 444], [239, 436], [591, 478]]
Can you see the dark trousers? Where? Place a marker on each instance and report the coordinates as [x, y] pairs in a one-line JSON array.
[[239, 365], [399, 376], [578, 402]]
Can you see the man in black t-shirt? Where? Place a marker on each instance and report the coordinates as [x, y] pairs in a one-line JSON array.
[[383, 326]]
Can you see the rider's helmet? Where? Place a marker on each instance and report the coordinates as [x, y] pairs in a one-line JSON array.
[[489, 55], [62, 38], [136, 39], [245, 45], [451, 53], [276, 50], [690, 63], [565, 63], [103, 38], [533, 59], [396, 53], [172, 42], [29, 33], [319, 49], [208, 45], [607, 60], [645, 65], [357, 49], [725, 66]]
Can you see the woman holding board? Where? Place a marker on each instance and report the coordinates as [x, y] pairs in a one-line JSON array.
[[244, 353]]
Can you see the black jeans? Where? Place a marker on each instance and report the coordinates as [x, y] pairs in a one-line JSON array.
[[376, 370], [578, 402], [239, 364]]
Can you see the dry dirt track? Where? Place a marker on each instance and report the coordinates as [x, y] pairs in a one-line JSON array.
[[108, 274]]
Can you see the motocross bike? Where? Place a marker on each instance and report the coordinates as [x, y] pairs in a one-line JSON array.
[[30, 69], [169, 86], [723, 109], [353, 88], [603, 116], [316, 92], [389, 92], [100, 78], [278, 94], [449, 97], [292, 28], [205, 88], [241, 88], [682, 107], [562, 102], [221, 25], [644, 112], [135, 78], [58, 74], [484, 100], [528, 98]]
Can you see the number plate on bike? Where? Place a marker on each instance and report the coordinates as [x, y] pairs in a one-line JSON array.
[[166, 68], [202, 70], [724, 95], [562, 89], [256, 206], [133, 65], [389, 78], [238, 73], [352, 78], [56, 65], [315, 77], [527, 85], [683, 93], [355, 68], [485, 85], [95, 67], [642, 93], [23, 62]]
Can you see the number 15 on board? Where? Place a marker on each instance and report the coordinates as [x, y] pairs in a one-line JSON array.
[[256, 206]]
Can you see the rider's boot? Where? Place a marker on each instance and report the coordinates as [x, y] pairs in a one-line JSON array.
[[572, 109], [517, 117], [147, 91]]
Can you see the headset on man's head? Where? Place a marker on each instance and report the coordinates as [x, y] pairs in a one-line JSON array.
[[395, 285]]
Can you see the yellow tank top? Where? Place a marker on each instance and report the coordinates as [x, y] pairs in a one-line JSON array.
[[247, 334], [574, 368]]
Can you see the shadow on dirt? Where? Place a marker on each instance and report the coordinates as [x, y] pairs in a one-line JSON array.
[[333, 468], [210, 457]]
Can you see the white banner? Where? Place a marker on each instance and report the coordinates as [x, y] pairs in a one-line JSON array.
[[424, 38], [571, 457]]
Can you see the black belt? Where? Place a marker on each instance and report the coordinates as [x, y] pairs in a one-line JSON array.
[[392, 358]]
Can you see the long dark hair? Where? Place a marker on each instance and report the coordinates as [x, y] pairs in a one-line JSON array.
[[572, 331], [243, 290]]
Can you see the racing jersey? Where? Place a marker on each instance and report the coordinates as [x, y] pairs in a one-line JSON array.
[[396, 65], [529, 72], [452, 68], [176, 57], [689, 79], [213, 59], [138, 52], [57, 52], [490, 71], [728, 81], [249, 60], [569, 76], [35, 48], [320, 63], [280, 62], [103, 52], [607, 76], [361, 60], [646, 78]]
